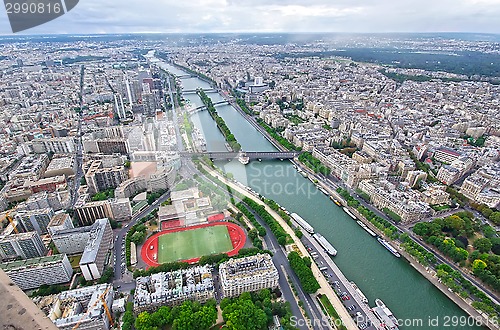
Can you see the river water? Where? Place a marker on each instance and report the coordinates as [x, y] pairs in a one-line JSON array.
[[412, 299]]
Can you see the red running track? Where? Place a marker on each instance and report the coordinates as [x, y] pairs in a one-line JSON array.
[[236, 234]]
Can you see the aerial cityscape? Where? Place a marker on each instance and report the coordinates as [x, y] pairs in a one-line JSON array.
[[250, 181]]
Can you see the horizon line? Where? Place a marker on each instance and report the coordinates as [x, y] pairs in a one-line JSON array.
[[14, 35]]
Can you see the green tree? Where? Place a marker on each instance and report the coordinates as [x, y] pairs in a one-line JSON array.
[[478, 265], [483, 244], [244, 315], [495, 242], [143, 321], [495, 217]]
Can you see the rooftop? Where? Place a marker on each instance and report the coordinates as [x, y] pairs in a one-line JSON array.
[[96, 236], [31, 263]]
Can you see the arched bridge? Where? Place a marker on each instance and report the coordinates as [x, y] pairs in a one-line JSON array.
[[194, 91], [249, 154], [203, 107]]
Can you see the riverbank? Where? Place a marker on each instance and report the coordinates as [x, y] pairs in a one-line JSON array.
[[325, 287], [430, 275], [376, 271]]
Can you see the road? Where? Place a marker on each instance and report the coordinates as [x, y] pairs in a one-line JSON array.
[[350, 298], [281, 261], [284, 270], [78, 147], [119, 248]]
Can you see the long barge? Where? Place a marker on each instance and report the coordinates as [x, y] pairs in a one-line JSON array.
[[346, 210], [325, 244], [388, 246], [304, 224], [365, 227]]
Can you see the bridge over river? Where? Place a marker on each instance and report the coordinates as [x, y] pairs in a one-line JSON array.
[[250, 154]]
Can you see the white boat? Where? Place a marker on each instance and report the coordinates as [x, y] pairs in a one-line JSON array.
[[361, 294], [346, 210], [389, 247], [385, 315], [365, 227], [304, 224], [325, 244], [243, 158]]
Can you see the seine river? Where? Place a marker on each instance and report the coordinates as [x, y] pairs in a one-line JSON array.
[[412, 299]]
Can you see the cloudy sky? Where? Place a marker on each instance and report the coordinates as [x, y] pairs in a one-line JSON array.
[[123, 16]]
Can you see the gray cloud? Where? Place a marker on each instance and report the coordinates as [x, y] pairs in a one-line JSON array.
[[113, 16]]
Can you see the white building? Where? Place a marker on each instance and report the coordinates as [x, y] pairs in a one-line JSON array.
[[35, 220], [248, 274], [173, 288], [94, 256], [60, 221], [33, 273], [25, 245]]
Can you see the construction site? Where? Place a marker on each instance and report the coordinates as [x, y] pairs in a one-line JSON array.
[[86, 308]]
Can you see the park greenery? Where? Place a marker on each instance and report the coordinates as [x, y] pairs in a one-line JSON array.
[[249, 311], [243, 105], [47, 290], [136, 234], [255, 311], [313, 163], [107, 276], [330, 310], [464, 288], [452, 236], [188, 316], [302, 268], [128, 317], [151, 196], [259, 229], [275, 227], [230, 139], [479, 142], [275, 207], [417, 251]]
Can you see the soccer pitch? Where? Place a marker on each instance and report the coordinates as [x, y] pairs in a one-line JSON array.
[[188, 244]]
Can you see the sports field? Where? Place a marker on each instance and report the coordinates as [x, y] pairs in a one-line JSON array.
[[188, 244]]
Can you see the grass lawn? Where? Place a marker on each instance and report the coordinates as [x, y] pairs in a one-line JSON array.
[[194, 243], [331, 311], [75, 261]]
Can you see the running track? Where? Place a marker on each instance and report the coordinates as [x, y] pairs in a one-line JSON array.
[[237, 235]]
